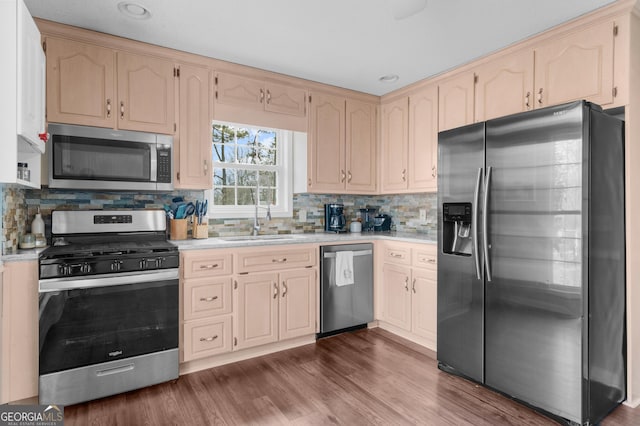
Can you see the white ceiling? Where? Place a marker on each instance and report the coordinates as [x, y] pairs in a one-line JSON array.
[[346, 43]]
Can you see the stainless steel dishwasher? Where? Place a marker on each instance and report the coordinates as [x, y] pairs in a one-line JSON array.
[[345, 306]]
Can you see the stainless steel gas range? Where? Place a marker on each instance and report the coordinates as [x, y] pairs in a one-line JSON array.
[[108, 305]]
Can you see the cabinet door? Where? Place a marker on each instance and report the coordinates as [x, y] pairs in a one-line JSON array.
[[361, 147], [505, 86], [455, 106], [146, 95], [194, 130], [297, 303], [31, 79], [285, 99], [578, 66], [423, 139], [326, 154], [395, 143], [424, 304], [396, 295], [80, 84], [239, 91], [19, 331], [256, 308]]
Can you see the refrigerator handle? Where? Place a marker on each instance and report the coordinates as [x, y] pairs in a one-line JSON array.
[[474, 222], [485, 223]]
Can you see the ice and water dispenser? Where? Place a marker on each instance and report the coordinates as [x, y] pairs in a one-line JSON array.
[[457, 232]]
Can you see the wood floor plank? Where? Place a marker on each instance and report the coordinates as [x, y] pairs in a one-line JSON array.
[[368, 377]]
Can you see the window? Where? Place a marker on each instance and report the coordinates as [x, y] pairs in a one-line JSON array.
[[250, 164]]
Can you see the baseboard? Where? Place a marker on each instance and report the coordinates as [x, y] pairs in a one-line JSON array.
[[633, 403], [217, 360], [408, 335]]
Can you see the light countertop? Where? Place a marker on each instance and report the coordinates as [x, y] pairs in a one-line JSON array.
[[263, 240]]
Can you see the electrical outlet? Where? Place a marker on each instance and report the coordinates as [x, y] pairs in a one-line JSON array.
[[423, 215], [302, 215]]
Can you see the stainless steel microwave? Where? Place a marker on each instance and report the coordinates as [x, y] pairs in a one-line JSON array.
[[83, 157]]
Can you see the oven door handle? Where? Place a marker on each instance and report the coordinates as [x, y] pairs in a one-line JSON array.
[[106, 280]]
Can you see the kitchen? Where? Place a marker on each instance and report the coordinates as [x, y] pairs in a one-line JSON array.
[[396, 174]]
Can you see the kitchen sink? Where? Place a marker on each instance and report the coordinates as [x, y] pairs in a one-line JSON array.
[[259, 238]]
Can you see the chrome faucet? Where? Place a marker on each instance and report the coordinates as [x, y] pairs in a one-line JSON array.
[[256, 223]]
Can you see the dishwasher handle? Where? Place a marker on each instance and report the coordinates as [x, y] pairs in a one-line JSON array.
[[332, 255]]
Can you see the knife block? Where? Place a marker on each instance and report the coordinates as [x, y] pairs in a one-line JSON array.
[[200, 231], [178, 229]]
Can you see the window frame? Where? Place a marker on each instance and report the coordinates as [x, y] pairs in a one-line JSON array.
[[284, 181]]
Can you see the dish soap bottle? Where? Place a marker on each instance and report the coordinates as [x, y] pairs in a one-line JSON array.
[[37, 229]]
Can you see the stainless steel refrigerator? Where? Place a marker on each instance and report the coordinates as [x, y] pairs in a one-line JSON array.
[[531, 262]]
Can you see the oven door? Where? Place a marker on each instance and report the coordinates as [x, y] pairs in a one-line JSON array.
[[106, 318]]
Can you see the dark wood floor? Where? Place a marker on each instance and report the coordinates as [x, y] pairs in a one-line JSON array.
[[361, 378]]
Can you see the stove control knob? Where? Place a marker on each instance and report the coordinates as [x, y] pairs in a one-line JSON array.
[[64, 269], [143, 263], [116, 265], [85, 268], [159, 261]]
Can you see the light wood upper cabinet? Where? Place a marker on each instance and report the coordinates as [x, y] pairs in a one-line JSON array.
[[577, 66], [395, 145], [423, 139], [326, 144], [193, 139], [360, 147], [80, 83], [504, 86], [456, 102], [95, 86], [241, 91], [145, 93], [297, 306]]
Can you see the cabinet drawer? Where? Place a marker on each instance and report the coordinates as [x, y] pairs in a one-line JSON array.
[[207, 337], [398, 254], [206, 263], [273, 258], [207, 297], [426, 257]]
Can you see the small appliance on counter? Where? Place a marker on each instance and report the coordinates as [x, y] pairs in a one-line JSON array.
[[367, 215], [334, 220], [382, 222]]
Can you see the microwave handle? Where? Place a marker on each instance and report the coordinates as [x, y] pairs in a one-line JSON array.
[[154, 163]]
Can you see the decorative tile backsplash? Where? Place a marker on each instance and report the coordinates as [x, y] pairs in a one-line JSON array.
[[20, 205]]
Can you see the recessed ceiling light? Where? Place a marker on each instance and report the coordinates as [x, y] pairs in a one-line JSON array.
[[134, 10], [389, 78]]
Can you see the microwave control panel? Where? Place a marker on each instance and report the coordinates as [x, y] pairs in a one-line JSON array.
[[164, 165]]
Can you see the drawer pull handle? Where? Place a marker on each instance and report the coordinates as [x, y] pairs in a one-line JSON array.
[[396, 255], [284, 259], [208, 299], [209, 339], [428, 260], [215, 265]]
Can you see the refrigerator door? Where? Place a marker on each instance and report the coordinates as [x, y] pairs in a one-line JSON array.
[[460, 278], [534, 297]]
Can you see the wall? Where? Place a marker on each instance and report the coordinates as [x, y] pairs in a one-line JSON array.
[[20, 206]]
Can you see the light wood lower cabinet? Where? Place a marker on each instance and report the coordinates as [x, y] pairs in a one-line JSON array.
[[272, 307], [19, 331], [409, 290]]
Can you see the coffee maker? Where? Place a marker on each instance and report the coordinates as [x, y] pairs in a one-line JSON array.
[[334, 220]]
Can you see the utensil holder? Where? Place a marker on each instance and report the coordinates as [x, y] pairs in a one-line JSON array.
[[200, 231], [178, 229]]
